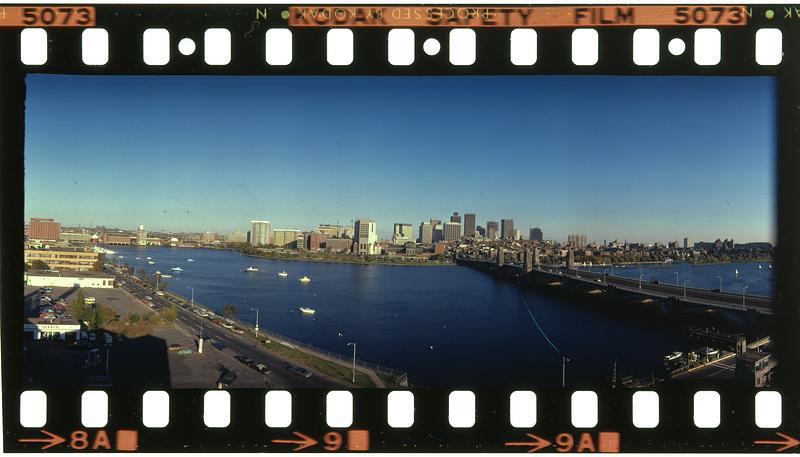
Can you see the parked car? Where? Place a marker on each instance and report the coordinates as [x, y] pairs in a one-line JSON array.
[[243, 359], [239, 331], [147, 297], [184, 351], [174, 347], [227, 325], [90, 300], [92, 337], [261, 368], [227, 378], [300, 371], [160, 292], [84, 335], [107, 338], [219, 345]]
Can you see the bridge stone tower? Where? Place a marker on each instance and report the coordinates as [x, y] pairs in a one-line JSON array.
[[571, 260], [536, 260], [501, 257], [528, 262]]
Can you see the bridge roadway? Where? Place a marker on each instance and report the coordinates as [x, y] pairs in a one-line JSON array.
[[703, 297]]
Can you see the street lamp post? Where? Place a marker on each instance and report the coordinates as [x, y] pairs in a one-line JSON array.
[[743, 295], [684, 288], [354, 361], [720, 283], [254, 309], [640, 277], [188, 287], [677, 283]]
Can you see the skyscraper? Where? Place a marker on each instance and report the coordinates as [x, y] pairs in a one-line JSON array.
[[536, 234], [455, 218], [469, 224], [141, 236], [516, 234], [452, 231], [426, 233], [492, 228], [260, 233], [507, 228], [576, 240], [438, 231], [687, 243], [402, 234], [365, 236]]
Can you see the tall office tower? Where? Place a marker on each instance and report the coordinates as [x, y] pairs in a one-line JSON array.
[[402, 234], [43, 229], [452, 231], [687, 243], [507, 229], [536, 234], [492, 230], [236, 236], [141, 236], [576, 240], [469, 224], [438, 231], [516, 234], [455, 218], [260, 233], [365, 236], [426, 233]]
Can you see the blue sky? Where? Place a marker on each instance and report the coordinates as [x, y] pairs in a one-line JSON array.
[[636, 158]]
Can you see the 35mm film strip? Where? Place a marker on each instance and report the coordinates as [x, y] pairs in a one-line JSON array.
[[402, 228]]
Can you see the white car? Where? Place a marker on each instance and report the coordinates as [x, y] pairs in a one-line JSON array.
[[160, 292], [227, 325]]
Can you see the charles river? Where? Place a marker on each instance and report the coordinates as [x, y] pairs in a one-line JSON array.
[[452, 326]]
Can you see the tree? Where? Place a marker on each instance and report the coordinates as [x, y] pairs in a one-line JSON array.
[[98, 266], [169, 314], [39, 265], [229, 310], [133, 318]]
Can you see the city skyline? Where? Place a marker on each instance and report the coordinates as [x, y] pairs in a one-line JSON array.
[[573, 157]]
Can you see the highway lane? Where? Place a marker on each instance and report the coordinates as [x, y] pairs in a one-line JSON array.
[[236, 344]]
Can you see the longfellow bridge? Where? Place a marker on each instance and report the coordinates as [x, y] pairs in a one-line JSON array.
[[625, 290]]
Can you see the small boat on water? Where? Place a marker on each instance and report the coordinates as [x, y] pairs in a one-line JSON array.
[[190, 260], [759, 267], [138, 258], [148, 258], [307, 310], [150, 262], [251, 269], [305, 280], [177, 269], [166, 276], [283, 274], [770, 266], [736, 271]]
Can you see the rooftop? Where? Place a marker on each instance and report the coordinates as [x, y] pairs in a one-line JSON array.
[[70, 274], [753, 356]]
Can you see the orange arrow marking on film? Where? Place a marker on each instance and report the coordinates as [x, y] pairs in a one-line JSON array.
[[538, 443], [53, 439], [304, 441], [787, 442]]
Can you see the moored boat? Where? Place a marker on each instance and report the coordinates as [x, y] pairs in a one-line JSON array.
[[305, 280], [307, 310], [251, 269], [283, 274]]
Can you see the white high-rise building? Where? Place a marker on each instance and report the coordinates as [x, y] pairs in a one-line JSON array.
[[260, 233], [365, 236], [141, 236]]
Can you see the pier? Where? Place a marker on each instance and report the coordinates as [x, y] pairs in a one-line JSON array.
[[627, 290]]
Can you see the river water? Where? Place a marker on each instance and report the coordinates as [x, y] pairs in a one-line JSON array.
[[452, 326]]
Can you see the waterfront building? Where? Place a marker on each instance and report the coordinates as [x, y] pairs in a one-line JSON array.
[[75, 238], [501, 257], [528, 261], [439, 248], [338, 244], [402, 234], [141, 236], [315, 241], [118, 239], [331, 231], [570, 260], [687, 243], [516, 234], [286, 238], [63, 259], [260, 233], [300, 241], [536, 234], [43, 229], [410, 248], [208, 237], [90, 279], [236, 236], [492, 230], [507, 229], [365, 236], [425, 233], [455, 217], [452, 231], [469, 224]]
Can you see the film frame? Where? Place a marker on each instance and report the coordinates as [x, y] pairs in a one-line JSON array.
[[431, 431]]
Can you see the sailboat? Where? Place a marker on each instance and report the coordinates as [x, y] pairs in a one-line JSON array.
[[737, 271], [759, 267]]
